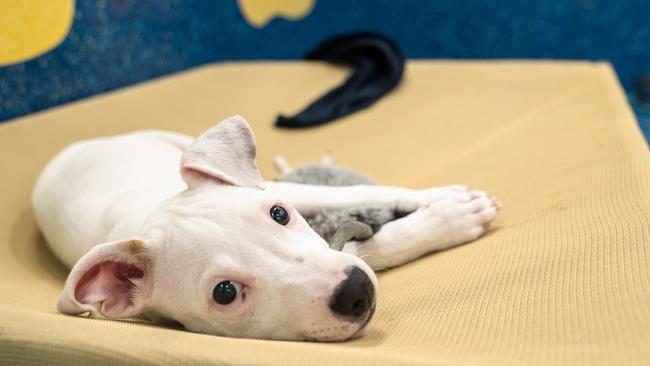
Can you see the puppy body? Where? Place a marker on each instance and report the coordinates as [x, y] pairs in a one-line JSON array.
[[156, 224], [103, 190]]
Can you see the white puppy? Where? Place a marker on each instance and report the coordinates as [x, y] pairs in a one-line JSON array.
[[217, 249]]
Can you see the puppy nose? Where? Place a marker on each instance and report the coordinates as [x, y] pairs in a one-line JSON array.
[[354, 296]]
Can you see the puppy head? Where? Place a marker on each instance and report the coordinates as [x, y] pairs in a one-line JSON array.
[[226, 257]]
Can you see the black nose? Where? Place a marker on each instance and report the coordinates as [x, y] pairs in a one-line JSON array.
[[353, 297]]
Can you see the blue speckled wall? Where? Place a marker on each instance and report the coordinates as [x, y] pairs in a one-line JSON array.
[[116, 43]]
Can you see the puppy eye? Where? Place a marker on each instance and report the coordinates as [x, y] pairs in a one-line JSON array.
[[225, 292], [279, 215]]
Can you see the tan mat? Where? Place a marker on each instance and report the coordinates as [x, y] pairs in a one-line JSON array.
[[563, 278]]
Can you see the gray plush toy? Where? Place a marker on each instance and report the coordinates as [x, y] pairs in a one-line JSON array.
[[340, 225]]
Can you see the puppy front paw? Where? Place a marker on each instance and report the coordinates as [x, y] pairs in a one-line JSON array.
[[461, 216], [426, 196]]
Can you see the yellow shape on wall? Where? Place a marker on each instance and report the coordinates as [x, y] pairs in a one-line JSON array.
[[29, 28], [259, 12]]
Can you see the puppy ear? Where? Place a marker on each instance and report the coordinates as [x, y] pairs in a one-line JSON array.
[[224, 154], [112, 279]]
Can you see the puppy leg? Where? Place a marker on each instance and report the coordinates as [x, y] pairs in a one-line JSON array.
[[308, 198], [458, 218]]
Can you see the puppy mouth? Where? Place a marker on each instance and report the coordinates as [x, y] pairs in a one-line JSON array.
[[365, 323], [312, 336]]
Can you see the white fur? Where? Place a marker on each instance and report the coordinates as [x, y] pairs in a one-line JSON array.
[[187, 232]]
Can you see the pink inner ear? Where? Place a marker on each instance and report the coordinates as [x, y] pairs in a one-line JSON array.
[[108, 283]]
